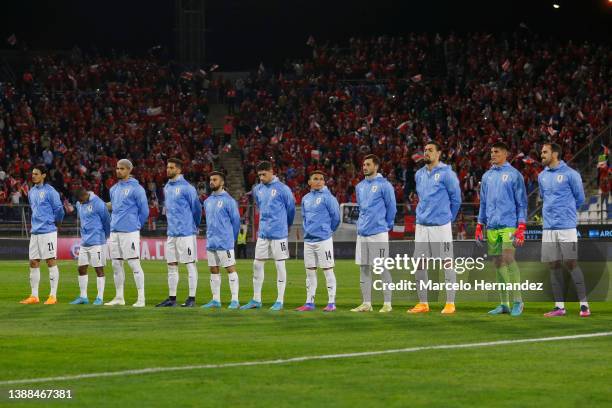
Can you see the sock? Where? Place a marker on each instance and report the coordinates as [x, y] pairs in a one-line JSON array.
[[311, 285], [558, 286], [34, 280], [450, 277], [502, 277], [192, 273], [215, 286], [387, 279], [514, 276], [578, 278], [258, 278], [53, 280], [138, 277], [83, 280], [173, 278], [330, 277], [421, 279], [365, 283], [100, 282], [281, 280], [119, 277], [233, 284]]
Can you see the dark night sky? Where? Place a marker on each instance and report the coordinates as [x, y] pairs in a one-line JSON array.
[[241, 33]]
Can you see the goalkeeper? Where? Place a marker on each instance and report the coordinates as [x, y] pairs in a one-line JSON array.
[[503, 207]]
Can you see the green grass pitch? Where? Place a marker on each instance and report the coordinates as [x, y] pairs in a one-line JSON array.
[[46, 341]]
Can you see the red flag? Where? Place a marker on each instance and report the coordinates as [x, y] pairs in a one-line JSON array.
[[187, 76], [506, 65], [417, 78], [418, 156], [403, 126]]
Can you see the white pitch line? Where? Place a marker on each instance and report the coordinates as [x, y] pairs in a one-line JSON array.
[[153, 370]]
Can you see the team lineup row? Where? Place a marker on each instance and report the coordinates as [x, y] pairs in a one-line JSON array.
[[503, 209]]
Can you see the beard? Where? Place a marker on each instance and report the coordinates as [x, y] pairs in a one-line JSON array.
[[427, 160], [215, 189]]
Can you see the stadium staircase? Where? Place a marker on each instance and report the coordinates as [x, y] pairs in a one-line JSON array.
[[230, 160]]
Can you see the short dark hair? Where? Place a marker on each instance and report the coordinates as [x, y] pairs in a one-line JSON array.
[[216, 173], [500, 145], [434, 143], [40, 167], [374, 159], [554, 147], [321, 172], [264, 166], [177, 162], [79, 192]]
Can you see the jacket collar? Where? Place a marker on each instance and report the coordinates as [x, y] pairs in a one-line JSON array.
[[559, 167]]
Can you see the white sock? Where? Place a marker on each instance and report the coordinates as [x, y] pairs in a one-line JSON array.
[[330, 277], [119, 277], [34, 280], [258, 279], [560, 305], [233, 284], [138, 277], [83, 280], [215, 286], [281, 280], [100, 283], [584, 304], [311, 285], [192, 273], [53, 280], [173, 278]]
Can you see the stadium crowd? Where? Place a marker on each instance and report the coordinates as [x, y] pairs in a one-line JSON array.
[[79, 117], [381, 95], [388, 96]]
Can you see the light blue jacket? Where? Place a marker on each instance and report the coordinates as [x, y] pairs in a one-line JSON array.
[[320, 215], [276, 209], [46, 209], [95, 221], [562, 192], [439, 195], [183, 208], [377, 206], [130, 207], [222, 221], [503, 198]]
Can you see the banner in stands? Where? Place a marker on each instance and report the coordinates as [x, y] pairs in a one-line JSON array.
[[150, 248]]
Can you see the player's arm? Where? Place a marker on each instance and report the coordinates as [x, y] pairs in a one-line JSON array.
[[520, 198], [143, 205], [196, 206], [577, 188], [104, 217], [334, 211], [540, 185], [390, 205], [482, 212], [234, 215], [58, 208], [289, 205], [454, 193], [303, 214]]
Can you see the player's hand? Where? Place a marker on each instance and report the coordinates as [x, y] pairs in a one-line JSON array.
[[519, 235], [109, 206], [478, 234]]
